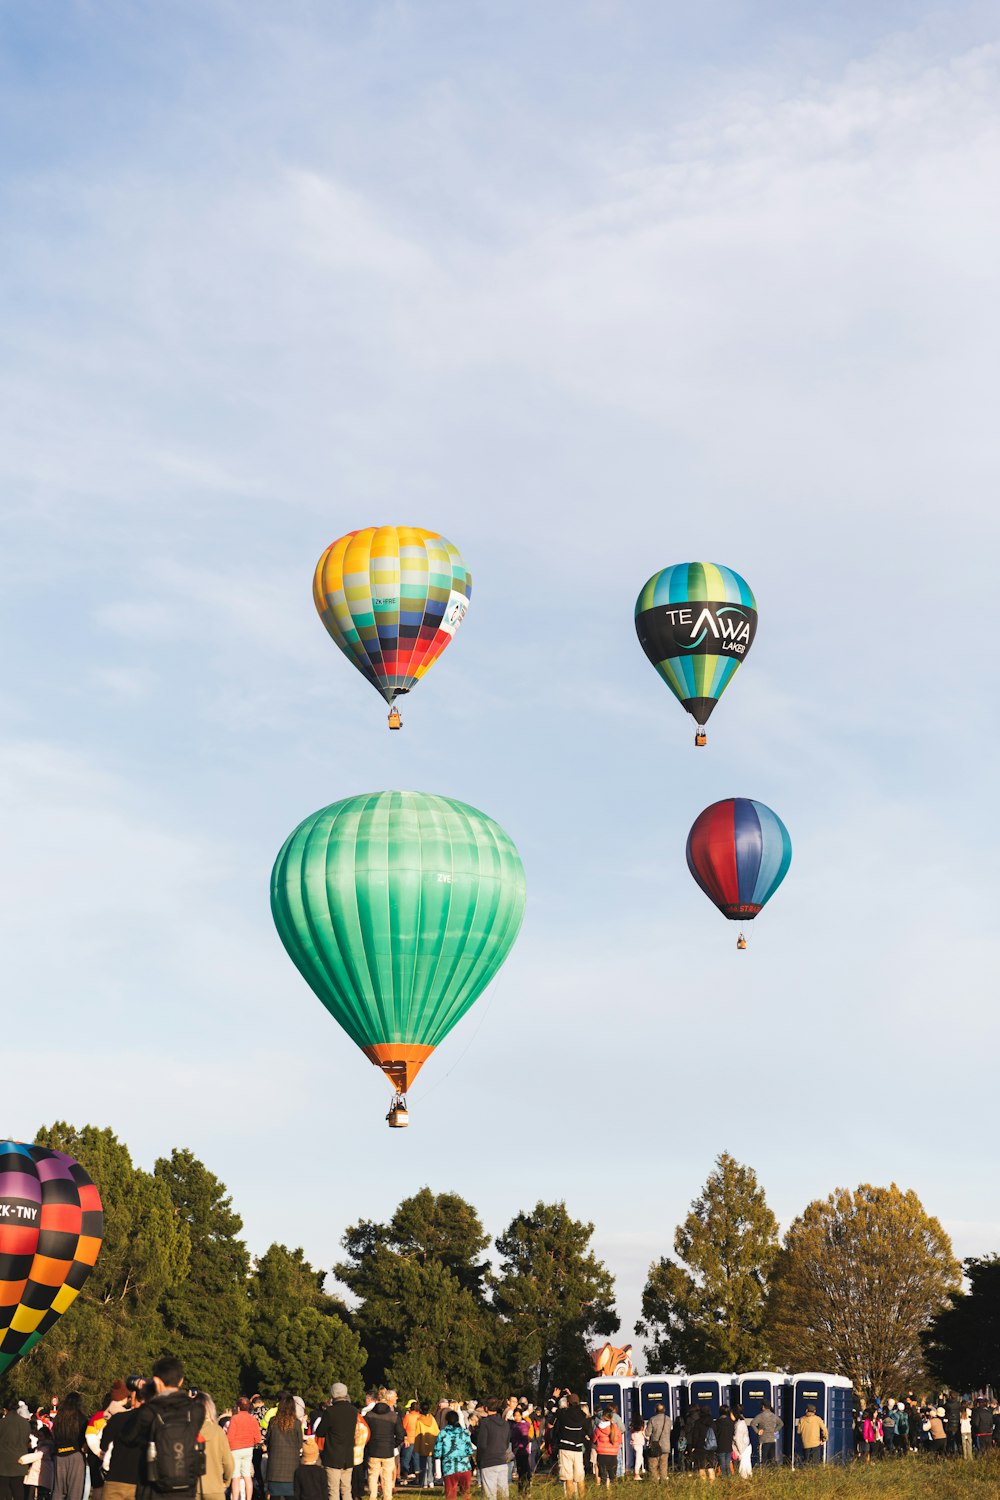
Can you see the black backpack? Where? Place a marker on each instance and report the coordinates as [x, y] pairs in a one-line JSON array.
[[175, 1459]]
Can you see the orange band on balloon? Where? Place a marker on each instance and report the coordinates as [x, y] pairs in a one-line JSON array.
[[399, 1061]]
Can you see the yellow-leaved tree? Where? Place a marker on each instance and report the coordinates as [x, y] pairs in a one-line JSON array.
[[858, 1280]]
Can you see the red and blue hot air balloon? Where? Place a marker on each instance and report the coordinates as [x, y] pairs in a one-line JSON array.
[[739, 851]]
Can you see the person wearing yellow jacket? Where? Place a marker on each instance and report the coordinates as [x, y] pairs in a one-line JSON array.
[[812, 1434]]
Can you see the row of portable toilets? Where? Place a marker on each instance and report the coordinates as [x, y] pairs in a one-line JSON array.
[[789, 1395]]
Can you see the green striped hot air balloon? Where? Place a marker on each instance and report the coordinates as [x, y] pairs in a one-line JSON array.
[[398, 908]]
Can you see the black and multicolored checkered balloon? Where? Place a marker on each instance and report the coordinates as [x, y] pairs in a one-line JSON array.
[[51, 1226]]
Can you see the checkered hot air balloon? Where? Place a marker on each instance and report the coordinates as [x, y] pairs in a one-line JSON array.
[[392, 598], [51, 1226]]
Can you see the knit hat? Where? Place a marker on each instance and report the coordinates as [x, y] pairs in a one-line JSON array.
[[338, 1392], [119, 1391], [310, 1450]]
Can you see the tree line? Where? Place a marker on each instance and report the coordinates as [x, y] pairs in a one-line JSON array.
[[433, 1316], [862, 1284]]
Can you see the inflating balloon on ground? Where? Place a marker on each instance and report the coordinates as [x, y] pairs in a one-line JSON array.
[[51, 1227]]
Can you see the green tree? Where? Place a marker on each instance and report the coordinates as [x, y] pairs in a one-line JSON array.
[[115, 1324], [422, 1311], [552, 1295], [709, 1312], [858, 1281], [207, 1314], [299, 1336], [962, 1342]]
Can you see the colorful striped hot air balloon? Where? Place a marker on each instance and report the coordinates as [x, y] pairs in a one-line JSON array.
[[392, 598], [398, 908], [739, 852], [51, 1227], [696, 622]]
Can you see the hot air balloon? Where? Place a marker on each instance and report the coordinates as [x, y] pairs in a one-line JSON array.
[[51, 1226], [739, 852], [398, 908], [696, 622], [392, 597]]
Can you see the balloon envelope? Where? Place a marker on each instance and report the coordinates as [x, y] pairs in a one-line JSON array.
[[739, 852], [696, 622], [392, 598], [51, 1227], [398, 908]]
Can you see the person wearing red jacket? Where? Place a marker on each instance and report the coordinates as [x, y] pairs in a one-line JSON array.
[[608, 1439]]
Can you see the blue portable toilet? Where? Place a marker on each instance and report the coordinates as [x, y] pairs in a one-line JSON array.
[[833, 1398], [712, 1390], [840, 1419], [652, 1389], [753, 1390], [622, 1394]]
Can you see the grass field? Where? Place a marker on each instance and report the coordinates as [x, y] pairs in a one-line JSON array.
[[907, 1479]]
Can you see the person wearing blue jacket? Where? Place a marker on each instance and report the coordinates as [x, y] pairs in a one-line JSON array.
[[453, 1449]]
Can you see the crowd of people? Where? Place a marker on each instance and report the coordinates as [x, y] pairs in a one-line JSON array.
[[157, 1437], [950, 1425]]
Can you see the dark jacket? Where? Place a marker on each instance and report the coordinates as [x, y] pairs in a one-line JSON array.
[[15, 1436], [168, 1406], [386, 1428], [284, 1449], [309, 1482], [336, 1427], [698, 1434], [982, 1420], [952, 1415], [570, 1429], [118, 1434], [492, 1441], [724, 1429]]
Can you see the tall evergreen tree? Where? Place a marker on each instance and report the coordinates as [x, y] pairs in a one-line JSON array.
[[962, 1342], [709, 1311], [207, 1314], [422, 1311], [115, 1324], [859, 1280], [552, 1293], [299, 1336]]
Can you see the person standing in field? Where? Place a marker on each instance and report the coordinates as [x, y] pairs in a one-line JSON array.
[[965, 1431], [637, 1438], [813, 1434], [453, 1451], [658, 1443], [607, 1441], [570, 1431], [766, 1424], [741, 1443]]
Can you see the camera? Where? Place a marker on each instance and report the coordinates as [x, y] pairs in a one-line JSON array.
[[134, 1382]]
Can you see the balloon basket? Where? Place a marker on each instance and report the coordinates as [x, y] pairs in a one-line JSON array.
[[398, 1116], [741, 942], [395, 719], [701, 739]]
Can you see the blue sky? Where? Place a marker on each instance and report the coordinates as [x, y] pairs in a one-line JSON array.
[[590, 289]]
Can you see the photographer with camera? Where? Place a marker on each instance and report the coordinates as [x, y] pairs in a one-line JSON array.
[[167, 1429]]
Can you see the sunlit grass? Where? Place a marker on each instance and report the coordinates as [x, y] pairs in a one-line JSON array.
[[906, 1478]]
